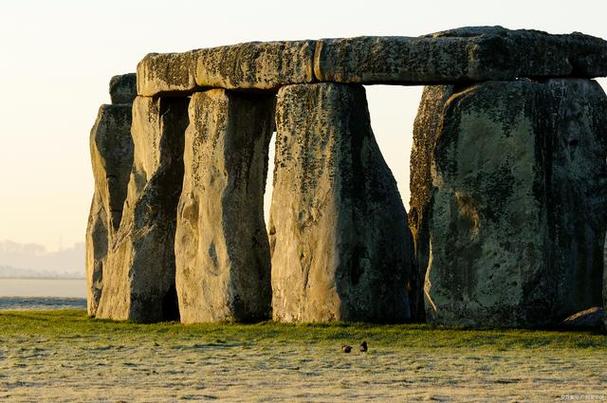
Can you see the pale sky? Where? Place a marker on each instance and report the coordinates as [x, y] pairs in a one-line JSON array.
[[58, 56]]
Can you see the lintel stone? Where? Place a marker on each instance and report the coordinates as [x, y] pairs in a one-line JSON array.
[[463, 55]]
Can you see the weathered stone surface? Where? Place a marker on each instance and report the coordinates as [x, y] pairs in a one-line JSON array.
[[450, 57], [111, 156], [459, 56], [590, 319], [258, 65], [123, 88], [516, 218], [166, 73], [341, 249], [139, 280], [221, 244], [426, 131], [605, 278]]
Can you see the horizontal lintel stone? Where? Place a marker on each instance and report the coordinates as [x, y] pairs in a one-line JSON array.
[[255, 65], [470, 54], [460, 55]]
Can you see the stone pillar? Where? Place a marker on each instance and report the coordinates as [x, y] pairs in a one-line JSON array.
[[111, 156], [341, 248], [221, 244], [123, 88], [426, 130], [139, 283], [515, 216], [605, 283]]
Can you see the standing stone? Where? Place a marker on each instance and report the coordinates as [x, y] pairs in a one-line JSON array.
[[221, 244], [341, 249], [516, 221], [111, 156], [139, 283], [426, 131], [123, 88]]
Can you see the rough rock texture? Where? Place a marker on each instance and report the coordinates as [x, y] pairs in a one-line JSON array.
[[605, 279], [221, 244], [516, 218], [590, 319], [111, 156], [460, 55], [139, 283], [166, 73], [123, 88], [426, 131], [341, 249], [456, 56], [258, 65]]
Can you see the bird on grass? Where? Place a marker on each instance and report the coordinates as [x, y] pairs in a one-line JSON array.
[[346, 348], [363, 347]]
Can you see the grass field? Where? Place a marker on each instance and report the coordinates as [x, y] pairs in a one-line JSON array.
[[63, 355]]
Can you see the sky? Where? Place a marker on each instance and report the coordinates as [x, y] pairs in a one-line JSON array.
[[58, 56]]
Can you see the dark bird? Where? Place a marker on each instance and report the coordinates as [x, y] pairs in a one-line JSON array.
[[363, 347], [346, 349]]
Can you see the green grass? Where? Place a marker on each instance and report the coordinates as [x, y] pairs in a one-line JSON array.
[[74, 324]]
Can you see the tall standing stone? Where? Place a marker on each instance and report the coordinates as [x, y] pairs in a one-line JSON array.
[[139, 283], [516, 221], [426, 131], [111, 156], [340, 245], [221, 244]]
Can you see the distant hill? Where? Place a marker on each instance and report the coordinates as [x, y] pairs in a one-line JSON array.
[[13, 272], [33, 261]]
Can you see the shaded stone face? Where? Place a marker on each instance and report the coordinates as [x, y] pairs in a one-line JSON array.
[[503, 54], [139, 280], [459, 56], [426, 131], [221, 244], [516, 216], [340, 245], [123, 88], [111, 157]]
